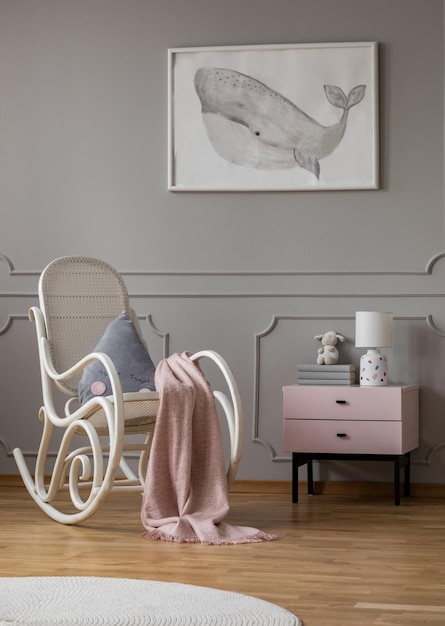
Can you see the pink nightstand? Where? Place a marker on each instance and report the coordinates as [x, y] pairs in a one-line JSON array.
[[351, 422]]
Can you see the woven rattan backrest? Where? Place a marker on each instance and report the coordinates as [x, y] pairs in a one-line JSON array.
[[79, 296]]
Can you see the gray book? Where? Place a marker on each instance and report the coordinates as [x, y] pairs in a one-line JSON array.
[[349, 375], [348, 367]]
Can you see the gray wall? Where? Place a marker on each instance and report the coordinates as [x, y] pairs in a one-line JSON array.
[[255, 275]]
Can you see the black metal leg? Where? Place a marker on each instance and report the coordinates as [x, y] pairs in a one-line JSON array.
[[294, 478], [310, 478], [407, 476], [397, 481]]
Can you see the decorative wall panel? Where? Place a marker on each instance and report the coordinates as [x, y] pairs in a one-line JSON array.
[[264, 325]]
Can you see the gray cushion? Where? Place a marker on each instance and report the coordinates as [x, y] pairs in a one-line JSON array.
[[133, 363]]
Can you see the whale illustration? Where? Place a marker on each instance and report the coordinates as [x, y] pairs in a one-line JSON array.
[[250, 124]]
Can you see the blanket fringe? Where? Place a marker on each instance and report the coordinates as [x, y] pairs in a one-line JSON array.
[[157, 534]]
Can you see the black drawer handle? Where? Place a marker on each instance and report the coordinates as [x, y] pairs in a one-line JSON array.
[[340, 401], [342, 435]]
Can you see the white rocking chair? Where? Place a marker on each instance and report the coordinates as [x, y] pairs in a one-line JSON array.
[[78, 298]]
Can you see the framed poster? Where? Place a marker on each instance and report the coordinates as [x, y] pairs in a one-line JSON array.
[[273, 117]]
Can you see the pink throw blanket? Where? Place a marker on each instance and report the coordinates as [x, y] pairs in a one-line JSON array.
[[185, 494]]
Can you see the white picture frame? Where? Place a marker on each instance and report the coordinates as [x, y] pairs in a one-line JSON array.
[[284, 117]]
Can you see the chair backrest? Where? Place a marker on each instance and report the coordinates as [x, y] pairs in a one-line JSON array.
[[78, 297]]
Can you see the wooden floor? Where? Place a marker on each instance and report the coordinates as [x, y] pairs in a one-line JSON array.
[[345, 560]]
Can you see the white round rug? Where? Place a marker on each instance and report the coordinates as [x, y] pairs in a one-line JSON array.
[[54, 600]]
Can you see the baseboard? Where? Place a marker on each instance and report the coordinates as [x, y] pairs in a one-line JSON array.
[[425, 490], [280, 487], [11, 480]]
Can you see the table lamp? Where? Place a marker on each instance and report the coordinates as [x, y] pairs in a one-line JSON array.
[[373, 330]]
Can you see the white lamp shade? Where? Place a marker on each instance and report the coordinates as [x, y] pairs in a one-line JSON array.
[[373, 329]]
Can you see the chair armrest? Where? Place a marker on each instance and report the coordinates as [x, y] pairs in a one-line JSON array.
[[50, 375]]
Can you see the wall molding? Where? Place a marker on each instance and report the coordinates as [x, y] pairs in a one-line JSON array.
[[429, 267]]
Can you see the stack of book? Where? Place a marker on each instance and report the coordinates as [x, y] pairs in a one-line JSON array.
[[326, 374]]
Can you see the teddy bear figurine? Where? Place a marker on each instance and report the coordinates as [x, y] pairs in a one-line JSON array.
[[328, 354]]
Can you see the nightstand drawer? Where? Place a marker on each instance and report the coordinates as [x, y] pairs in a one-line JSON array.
[[349, 402], [348, 437]]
